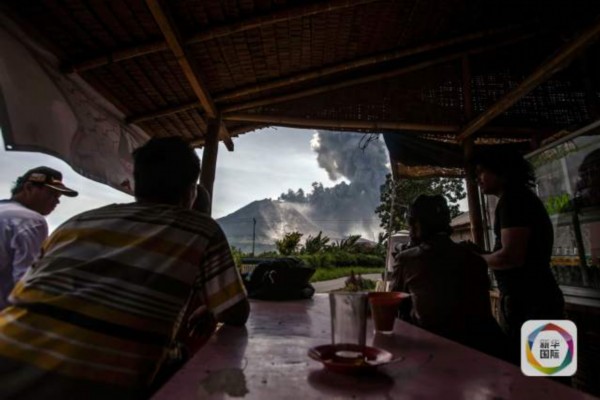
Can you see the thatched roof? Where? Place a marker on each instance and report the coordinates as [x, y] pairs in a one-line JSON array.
[[358, 65]]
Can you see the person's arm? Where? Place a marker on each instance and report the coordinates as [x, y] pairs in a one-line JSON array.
[[513, 251]]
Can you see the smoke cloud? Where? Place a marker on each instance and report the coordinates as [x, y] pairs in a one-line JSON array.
[[348, 155], [346, 208]]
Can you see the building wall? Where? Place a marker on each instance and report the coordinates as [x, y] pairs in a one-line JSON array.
[[461, 233]]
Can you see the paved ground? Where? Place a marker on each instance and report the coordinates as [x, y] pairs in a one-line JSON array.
[[327, 286]]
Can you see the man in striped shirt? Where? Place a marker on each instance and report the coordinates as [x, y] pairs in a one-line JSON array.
[[95, 316]]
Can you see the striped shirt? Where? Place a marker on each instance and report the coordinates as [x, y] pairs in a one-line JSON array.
[[102, 305]]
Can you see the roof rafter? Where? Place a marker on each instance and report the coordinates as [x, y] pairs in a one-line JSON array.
[[372, 77], [544, 71], [372, 126], [347, 66], [362, 62], [136, 119], [232, 131], [168, 28], [216, 32]]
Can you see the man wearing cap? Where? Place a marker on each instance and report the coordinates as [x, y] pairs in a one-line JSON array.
[[23, 227]]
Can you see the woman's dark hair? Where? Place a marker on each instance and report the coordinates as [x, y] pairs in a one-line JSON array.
[[164, 169], [432, 213], [506, 163]]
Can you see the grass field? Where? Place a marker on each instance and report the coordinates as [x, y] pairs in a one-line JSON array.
[[325, 274]]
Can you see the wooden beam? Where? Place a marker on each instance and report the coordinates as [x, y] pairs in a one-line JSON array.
[[226, 137], [209, 157], [359, 63], [217, 32], [191, 72], [275, 18], [134, 119], [233, 132], [168, 28], [373, 126], [116, 56], [539, 75], [369, 78], [316, 123]]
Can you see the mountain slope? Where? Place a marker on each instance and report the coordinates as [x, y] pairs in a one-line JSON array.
[[274, 218]]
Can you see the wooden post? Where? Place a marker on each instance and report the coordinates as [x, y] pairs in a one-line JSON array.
[[209, 157], [472, 189], [473, 199], [389, 261]]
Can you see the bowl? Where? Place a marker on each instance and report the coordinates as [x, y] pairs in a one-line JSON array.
[[350, 358]]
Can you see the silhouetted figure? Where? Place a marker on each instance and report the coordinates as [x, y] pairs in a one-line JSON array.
[[449, 285], [524, 238]]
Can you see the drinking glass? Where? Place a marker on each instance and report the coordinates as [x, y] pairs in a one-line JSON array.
[[348, 318]]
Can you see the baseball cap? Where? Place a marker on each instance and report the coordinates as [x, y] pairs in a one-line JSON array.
[[48, 177]]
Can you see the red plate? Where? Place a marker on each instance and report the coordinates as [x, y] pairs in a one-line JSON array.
[[350, 358]]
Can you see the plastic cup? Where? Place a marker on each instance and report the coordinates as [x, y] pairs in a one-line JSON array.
[[384, 307], [348, 320]]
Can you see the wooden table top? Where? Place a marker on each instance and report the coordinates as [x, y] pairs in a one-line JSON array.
[[268, 359]]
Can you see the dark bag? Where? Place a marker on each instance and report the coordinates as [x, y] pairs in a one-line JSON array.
[[280, 279]]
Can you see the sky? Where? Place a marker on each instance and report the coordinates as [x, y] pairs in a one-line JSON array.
[[265, 164]]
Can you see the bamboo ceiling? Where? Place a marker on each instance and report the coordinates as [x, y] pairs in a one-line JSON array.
[[358, 65]]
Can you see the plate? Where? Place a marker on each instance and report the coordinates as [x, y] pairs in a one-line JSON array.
[[350, 358]]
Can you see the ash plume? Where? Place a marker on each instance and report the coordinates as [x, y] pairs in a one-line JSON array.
[[346, 208], [351, 155]]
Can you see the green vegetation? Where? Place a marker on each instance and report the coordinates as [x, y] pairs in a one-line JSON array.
[[340, 259], [558, 203], [331, 260], [288, 245], [316, 244], [325, 274], [406, 190], [316, 252]]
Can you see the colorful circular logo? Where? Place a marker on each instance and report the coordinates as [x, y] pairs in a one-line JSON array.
[[532, 359]]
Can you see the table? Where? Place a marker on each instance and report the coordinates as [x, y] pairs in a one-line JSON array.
[[267, 360]]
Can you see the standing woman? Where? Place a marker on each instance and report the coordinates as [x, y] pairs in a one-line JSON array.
[[520, 259]]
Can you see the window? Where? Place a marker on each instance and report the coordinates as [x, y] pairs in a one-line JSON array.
[[568, 176]]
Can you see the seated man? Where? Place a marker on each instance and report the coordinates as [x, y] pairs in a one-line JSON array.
[[448, 284], [95, 316]]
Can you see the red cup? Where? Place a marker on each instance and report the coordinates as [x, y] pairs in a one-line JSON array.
[[384, 307]]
